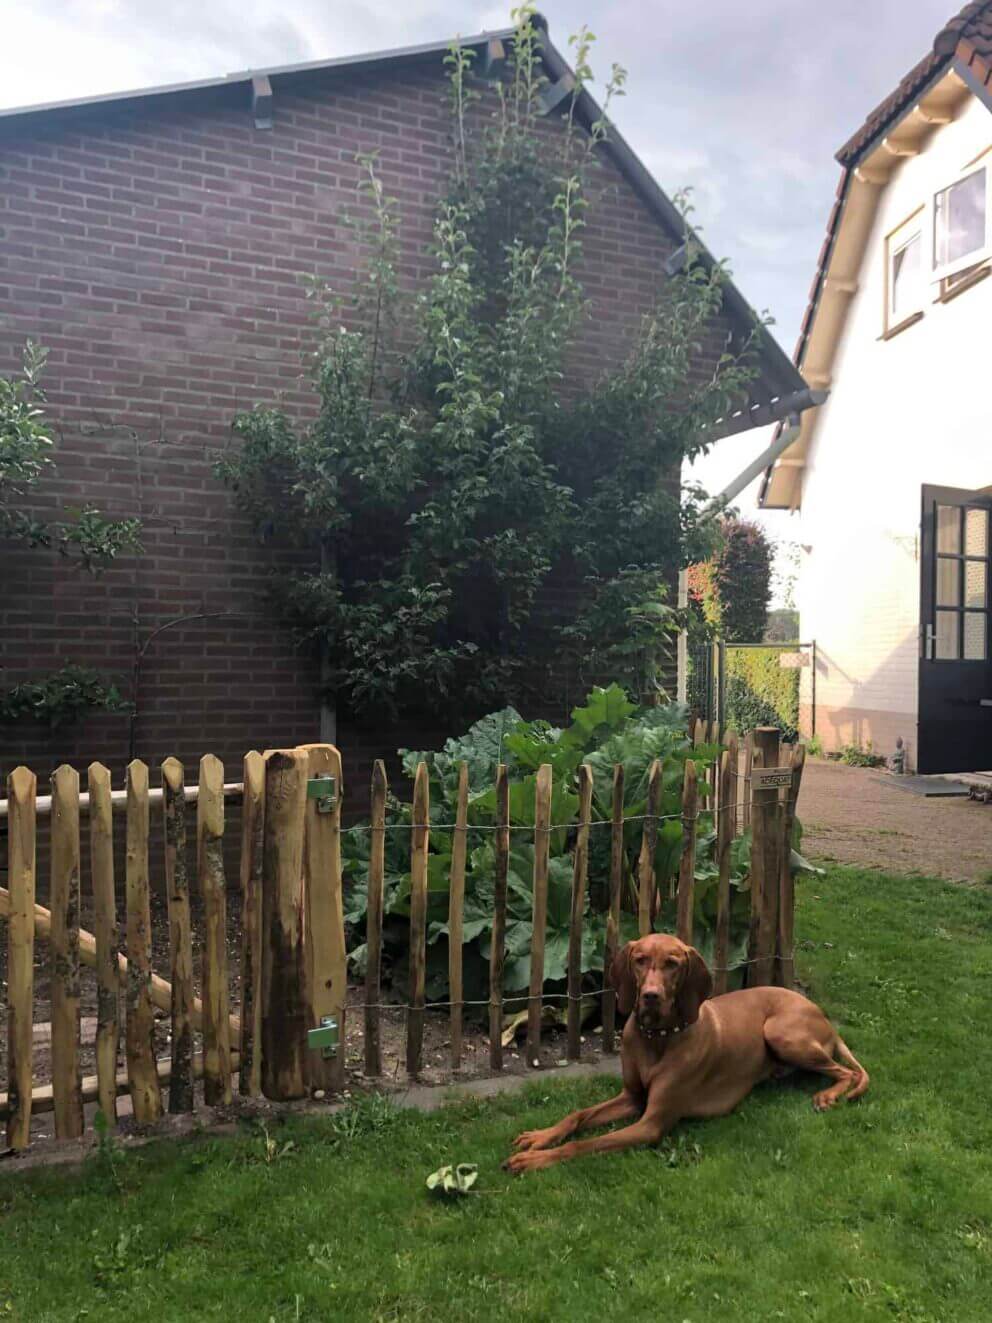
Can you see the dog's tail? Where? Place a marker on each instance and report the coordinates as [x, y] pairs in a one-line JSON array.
[[860, 1084]]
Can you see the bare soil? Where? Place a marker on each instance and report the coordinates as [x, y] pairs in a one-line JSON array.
[[855, 815], [436, 1043]]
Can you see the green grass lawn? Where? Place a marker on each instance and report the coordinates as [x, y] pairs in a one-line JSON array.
[[877, 1210]]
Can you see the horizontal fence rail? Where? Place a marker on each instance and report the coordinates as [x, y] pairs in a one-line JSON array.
[[287, 1037]]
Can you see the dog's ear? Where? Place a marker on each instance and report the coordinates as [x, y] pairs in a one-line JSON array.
[[696, 986], [622, 980]]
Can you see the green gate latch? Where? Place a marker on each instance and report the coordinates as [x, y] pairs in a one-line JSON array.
[[324, 790], [325, 1038]]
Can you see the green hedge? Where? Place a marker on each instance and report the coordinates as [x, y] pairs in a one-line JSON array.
[[760, 692]]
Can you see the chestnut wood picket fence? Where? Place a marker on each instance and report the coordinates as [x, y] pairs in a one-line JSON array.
[[293, 964]]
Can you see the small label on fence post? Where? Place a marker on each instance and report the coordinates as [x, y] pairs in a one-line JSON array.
[[770, 778]]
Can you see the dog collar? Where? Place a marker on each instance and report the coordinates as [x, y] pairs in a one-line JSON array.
[[659, 1033]]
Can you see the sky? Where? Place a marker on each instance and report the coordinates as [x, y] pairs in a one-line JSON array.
[[745, 103]]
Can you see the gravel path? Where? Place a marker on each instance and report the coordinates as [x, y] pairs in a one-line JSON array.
[[851, 816]]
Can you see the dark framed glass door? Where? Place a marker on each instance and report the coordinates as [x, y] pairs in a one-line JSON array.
[[954, 732]]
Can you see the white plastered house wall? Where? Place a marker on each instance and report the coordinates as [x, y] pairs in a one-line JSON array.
[[903, 411], [907, 407]]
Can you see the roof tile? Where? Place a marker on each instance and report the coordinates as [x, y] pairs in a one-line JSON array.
[[972, 28]]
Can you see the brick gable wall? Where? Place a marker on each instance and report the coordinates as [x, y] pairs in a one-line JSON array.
[[157, 251]]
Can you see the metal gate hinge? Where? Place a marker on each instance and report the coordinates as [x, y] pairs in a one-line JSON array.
[[325, 1038], [324, 790]]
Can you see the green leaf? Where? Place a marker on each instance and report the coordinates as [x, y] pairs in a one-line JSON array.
[[453, 1181]]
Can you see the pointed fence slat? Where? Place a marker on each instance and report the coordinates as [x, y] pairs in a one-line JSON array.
[[327, 963], [724, 840], [284, 1027], [420, 840], [64, 954], [146, 1096], [252, 829], [746, 799], [542, 852], [580, 873], [373, 920], [687, 863], [22, 792], [765, 849], [613, 914], [787, 884], [497, 956], [456, 917], [213, 888], [180, 936], [646, 884], [733, 794], [106, 938]]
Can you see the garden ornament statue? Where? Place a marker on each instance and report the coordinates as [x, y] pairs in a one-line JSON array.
[[897, 763]]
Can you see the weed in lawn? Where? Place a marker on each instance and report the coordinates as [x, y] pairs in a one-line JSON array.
[[370, 1114]]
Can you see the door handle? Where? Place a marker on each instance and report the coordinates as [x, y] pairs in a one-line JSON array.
[[929, 642], [985, 702]]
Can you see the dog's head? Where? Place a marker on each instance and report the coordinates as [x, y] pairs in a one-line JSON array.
[[663, 980]]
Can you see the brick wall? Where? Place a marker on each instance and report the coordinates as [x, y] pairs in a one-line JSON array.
[[156, 249]]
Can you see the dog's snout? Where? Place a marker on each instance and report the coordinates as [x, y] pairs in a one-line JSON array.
[[650, 997]]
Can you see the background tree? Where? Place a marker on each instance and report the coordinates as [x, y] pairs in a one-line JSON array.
[[732, 588], [86, 536], [441, 489]]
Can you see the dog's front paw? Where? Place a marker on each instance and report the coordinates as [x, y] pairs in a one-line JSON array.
[[530, 1139], [532, 1159]]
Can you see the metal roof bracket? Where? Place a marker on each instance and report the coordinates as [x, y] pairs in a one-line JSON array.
[[494, 60], [261, 101], [555, 93]]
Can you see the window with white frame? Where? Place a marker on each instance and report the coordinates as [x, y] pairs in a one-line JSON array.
[[961, 229], [904, 273]]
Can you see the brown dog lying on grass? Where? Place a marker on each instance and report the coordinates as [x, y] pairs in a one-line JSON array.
[[683, 1054]]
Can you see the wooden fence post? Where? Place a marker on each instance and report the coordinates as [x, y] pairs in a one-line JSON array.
[[252, 844], [580, 872], [106, 936], [419, 843], [646, 885], [687, 864], [64, 954], [180, 935], [146, 1095], [22, 789], [497, 954], [613, 914], [456, 917], [733, 790], [373, 920], [765, 828], [748, 762], [542, 852], [284, 1028], [724, 840], [327, 962], [216, 995], [787, 883]]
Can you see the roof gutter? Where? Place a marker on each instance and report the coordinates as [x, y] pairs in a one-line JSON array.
[[760, 415]]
